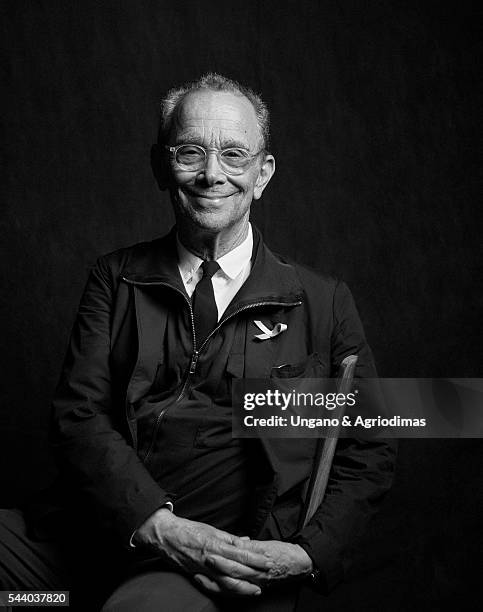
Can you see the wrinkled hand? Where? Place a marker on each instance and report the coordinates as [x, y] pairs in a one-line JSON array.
[[193, 546], [284, 561]]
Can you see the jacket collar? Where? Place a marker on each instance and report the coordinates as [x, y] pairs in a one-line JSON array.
[[271, 279]]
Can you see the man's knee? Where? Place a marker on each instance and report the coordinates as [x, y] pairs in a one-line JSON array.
[[158, 590]]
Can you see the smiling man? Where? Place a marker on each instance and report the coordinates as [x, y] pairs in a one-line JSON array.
[[151, 474], [218, 167]]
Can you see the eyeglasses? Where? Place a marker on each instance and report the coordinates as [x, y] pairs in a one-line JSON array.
[[192, 157]]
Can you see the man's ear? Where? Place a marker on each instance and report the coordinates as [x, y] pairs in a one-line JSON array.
[[159, 166], [266, 172]]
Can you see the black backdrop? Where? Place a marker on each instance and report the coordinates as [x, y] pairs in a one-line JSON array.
[[375, 117]]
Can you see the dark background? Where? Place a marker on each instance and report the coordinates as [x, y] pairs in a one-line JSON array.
[[376, 113]]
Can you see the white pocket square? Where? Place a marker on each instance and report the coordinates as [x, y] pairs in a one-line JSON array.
[[269, 333]]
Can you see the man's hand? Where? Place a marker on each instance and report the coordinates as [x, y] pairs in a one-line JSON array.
[[284, 561], [194, 546]]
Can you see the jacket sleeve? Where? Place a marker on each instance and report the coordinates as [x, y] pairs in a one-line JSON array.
[[362, 471], [94, 457]]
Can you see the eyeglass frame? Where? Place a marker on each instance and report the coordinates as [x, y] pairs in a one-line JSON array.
[[250, 156]]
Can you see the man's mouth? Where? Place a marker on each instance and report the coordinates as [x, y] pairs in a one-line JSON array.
[[213, 197], [207, 195]]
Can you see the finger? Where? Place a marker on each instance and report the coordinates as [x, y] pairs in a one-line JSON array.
[[224, 536], [229, 538], [227, 585], [206, 583], [233, 568], [253, 545], [237, 586], [245, 556]]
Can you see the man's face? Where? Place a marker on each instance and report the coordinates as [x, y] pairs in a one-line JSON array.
[[210, 198]]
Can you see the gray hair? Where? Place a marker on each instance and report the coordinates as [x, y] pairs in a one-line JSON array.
[[213, 82]]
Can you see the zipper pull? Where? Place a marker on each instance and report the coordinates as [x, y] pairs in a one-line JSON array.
[[194, 361]]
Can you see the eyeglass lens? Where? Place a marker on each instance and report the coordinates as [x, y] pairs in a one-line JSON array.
[[193, 157]]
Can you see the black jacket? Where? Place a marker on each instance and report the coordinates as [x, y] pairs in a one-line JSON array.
[[112, 362]]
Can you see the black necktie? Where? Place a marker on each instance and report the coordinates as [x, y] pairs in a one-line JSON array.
[[203, 301]]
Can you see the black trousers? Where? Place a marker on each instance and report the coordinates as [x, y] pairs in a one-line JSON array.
[[101, 577]]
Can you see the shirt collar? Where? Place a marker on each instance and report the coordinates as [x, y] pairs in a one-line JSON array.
[[231, 264], [188, 262], [234, 261]]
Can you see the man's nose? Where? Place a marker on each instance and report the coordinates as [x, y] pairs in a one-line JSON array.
[[213, 174]]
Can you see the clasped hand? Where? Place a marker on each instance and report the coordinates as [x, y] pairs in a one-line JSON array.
[[219, 561]]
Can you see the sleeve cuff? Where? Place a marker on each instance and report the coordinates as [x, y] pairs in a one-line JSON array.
[[168, 505], [328, 569]]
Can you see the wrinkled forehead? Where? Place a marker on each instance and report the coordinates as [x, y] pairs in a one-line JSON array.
[[216, 118]]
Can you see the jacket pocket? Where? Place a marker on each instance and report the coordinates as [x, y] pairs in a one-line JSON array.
[[235, 366], [311, 367], [165, 380]]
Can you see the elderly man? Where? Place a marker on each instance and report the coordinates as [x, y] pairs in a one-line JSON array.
[[163, 329]]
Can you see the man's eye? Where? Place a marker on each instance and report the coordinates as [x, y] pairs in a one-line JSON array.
[[234, 154], [190, 153], [235, 157]]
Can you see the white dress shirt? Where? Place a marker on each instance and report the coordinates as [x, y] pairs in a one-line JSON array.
[[234, 270]]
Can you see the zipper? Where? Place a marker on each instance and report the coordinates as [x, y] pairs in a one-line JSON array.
[[196, 351], [191, 370], [247, 307], [161, 414], [159, 418], [194, 361], [195, 355]]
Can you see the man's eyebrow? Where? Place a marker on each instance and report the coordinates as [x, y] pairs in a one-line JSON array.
[[231, 143], [197, 139], [188, 138]]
